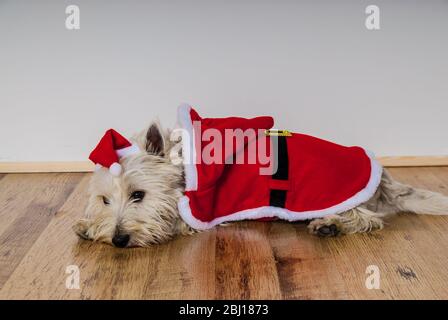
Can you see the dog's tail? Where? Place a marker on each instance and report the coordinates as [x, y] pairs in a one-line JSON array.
[[406, 198]]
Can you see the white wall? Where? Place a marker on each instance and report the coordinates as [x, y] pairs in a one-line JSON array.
[[311, 64]]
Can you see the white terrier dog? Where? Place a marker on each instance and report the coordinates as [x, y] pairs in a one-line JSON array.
[[140, 207]]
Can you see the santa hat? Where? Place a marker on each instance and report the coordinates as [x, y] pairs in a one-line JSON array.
[[111, 148]]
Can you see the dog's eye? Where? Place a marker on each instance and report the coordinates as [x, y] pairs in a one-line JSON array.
[[105, 200], [137, 196]]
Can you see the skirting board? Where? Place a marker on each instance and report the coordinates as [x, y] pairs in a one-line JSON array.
[[30, 167], [85, 166]]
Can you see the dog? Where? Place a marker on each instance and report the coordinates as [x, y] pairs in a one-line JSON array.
[[140, 207]]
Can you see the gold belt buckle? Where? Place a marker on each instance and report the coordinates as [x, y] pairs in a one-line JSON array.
[[278, 133]]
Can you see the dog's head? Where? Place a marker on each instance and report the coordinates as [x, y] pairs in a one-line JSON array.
[[139, 207]]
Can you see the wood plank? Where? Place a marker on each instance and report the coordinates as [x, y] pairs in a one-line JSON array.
[[245, 268], [440, 178], [18, 191], [339, 267], [27, 222], [39, 271], [251, 260], [182, 268], [395, 254], [426, 235], [303, 266], [436, 179]]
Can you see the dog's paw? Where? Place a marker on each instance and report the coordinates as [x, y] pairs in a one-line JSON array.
[[81, 228], [326, 227]]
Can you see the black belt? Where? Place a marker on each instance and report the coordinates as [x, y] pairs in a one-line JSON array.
[[278, 197]]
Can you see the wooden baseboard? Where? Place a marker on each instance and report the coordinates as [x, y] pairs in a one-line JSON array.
[[29, 167], [414, 161], [86, 166]]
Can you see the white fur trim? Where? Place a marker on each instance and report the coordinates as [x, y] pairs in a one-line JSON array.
[[132, 149], [285, 214], [188, 147], [115, 169]]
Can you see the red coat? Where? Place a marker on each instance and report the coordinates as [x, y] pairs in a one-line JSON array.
[[314, 177]]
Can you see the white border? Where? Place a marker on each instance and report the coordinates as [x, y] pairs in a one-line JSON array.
[[266, 211], [188, 144], [124, 152]]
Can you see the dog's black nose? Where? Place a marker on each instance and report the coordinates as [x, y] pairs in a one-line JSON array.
[[120, 240]]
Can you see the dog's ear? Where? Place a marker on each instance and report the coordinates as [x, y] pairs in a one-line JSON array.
[[81, 228], [155, 141]]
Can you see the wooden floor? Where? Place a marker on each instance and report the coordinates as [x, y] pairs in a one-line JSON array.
[[249, 260]]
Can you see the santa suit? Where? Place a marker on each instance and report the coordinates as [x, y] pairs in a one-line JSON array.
[[310, 178]]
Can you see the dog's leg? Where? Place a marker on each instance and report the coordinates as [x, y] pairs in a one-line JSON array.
[[393, 196], [356, 220]]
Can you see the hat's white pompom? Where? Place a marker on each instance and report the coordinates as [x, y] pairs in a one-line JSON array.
[[115, 169]]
